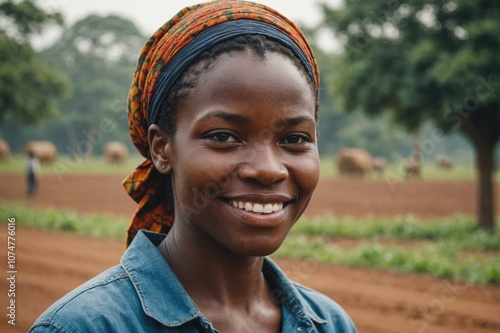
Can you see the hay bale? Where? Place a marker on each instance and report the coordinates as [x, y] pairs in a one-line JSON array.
[[444, 162], [45, 151], [354, 162], [4, 150], [379, 164], [115, 152]]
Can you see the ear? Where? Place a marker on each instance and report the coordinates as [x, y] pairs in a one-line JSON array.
[[159, 146]]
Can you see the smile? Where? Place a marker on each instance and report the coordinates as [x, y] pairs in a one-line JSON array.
[[257, 207]]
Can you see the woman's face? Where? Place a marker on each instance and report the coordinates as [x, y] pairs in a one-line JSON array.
[[244, 156]]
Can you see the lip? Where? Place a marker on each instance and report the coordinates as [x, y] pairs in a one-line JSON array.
[[259, 220], [260, 198]]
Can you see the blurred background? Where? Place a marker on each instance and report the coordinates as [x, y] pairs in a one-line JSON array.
[[405, 211]]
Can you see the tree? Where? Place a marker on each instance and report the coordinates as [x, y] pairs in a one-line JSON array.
[[29, 87], [98, 54], [423, 59]]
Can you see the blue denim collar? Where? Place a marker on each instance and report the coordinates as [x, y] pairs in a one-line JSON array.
[[163, 297], [285, 292], [161, 294]]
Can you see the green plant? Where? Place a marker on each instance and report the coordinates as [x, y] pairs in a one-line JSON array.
[[95, 225], [403, 244]]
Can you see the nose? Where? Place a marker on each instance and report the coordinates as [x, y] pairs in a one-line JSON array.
[[263, 165]]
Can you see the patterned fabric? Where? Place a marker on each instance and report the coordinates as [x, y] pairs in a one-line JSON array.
[[150, 189]]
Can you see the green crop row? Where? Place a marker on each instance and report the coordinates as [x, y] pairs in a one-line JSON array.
[[460, 229], [97, 165], [454, 248], [438, 260], [95, 225]]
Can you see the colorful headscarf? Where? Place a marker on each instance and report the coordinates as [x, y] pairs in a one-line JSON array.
[[191, 29]]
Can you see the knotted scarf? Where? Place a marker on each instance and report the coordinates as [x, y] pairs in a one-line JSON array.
[[162, 61]]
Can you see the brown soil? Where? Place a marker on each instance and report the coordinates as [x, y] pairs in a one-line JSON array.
[[49, 264], [104, 193]]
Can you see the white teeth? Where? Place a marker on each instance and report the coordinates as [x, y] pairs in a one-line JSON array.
[[257, 207], [248, 206], [268, 208]]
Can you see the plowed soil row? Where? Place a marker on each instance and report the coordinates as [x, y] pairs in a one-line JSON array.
[[104, 193], [49, 264]]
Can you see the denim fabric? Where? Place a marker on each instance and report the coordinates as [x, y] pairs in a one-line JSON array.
[[142, 294]]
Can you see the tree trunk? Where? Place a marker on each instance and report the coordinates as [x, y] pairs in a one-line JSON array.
[[485, 167], [481, 134]]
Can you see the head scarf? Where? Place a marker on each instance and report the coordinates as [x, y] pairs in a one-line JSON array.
[[153, 77]]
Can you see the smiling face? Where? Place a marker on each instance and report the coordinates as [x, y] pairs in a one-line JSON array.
[[244, 158]]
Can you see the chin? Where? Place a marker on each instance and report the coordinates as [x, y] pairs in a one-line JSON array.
[[257, 249]]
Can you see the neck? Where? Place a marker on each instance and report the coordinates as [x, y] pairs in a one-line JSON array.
[[212, 275]]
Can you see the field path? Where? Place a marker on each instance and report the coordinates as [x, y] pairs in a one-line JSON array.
[[104, 193], [52, 263]]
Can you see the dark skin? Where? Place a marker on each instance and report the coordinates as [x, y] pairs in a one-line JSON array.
[[246, 136]]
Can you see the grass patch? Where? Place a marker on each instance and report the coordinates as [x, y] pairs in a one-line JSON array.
[[98, 165], [438, 260], [95, 225], [314, 239], [65, 165], [460, 229], [441, 256]]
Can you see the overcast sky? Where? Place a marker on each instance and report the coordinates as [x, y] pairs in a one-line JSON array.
[[149, 15]]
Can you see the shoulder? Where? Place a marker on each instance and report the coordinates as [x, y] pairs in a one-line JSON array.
[[324, 307], [90, 306]]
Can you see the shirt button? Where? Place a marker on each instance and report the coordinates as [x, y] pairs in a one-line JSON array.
[[207, 326], [299, 329]]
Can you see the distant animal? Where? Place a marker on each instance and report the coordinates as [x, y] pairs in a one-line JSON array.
[[45, 151], [4, 150], [445, 162], [379, 164], [354, 162], [115, 152], [412, 168]]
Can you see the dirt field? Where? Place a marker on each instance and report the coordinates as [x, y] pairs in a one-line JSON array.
[[50, 264], [100, 193]]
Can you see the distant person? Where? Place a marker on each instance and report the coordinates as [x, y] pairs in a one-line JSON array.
[[224, 107], [32, 173]]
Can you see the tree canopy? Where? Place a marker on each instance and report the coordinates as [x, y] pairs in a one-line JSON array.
[[98, 54], [425, 60], [29, 86]]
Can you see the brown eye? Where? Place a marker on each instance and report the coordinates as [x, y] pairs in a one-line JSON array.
[[296, 139], [222, 137]]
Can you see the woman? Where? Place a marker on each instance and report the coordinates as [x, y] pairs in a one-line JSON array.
[[223, 106]]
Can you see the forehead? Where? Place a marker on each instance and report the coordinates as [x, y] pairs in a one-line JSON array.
[[245, 82]]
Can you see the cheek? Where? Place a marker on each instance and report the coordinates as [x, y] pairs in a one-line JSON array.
[[306, 173], [197, 183]]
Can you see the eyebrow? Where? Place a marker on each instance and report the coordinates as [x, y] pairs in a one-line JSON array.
[[235, 118], [297, 120]]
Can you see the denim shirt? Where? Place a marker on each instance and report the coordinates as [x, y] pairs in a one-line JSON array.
[[142, 294]]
